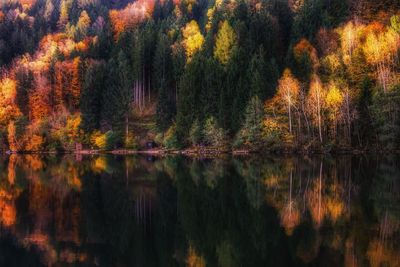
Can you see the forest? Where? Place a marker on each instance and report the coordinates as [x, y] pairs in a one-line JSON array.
[[296, 75]]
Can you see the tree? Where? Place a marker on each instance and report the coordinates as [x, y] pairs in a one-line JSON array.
[[75, 86], [65, 7], [192, 39], [82, 26], [118, 97], [224, 43], [24, 79], [288, 91], [213, 134], [252, 129], [316, 102], [190, 87], [195, 134], [334, 101], [8, 107], [90, 101], [162, 76]]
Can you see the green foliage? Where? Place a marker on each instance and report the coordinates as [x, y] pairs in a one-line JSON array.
[[170, 138], [252, 129], [163, 76], [385, 111], [90, 101], [195, 134], [117, 98], [213, 134]]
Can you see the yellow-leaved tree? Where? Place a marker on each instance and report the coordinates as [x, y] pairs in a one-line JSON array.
[[8, 108], [334, 101], [192, 39], [225, 43]]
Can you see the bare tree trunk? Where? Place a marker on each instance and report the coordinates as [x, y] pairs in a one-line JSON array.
[[319, 117], [320, 191], [290, 118]]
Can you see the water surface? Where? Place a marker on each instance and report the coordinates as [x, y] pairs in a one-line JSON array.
[[145, 211]]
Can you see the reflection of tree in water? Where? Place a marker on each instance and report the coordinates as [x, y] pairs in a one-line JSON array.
[[383, 249], [222, 225], [127, 211]]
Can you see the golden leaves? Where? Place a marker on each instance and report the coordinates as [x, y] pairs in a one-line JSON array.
[[192, 39]]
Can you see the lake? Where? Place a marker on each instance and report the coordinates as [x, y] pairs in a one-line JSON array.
[[175, 211]]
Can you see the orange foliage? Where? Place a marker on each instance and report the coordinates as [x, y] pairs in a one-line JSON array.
[[75, 83], [34, 162], [67, 87], [131, 15], [8, 213], [27, 3], [39, 99], [35, 143], [375, 28], [8, 108], [380, 254], [193, 259]]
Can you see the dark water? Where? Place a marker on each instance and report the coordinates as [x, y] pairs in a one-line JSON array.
[[138, 211]]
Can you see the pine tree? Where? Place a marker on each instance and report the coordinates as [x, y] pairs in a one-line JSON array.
[[162, 76], [225, 43], [118, 96], [90, 102], [188, 97]]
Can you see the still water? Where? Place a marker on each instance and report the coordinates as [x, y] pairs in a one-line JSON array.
[[175, 211]]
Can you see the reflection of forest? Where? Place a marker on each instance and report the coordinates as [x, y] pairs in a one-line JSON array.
[[129, 211]]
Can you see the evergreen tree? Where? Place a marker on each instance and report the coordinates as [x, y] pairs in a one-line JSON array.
[[162, 76], [188, 107], [118, 96], [90, 102]]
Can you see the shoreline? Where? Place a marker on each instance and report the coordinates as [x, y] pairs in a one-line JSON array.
[[207, 152]]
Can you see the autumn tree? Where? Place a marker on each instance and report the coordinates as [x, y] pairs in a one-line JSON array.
[[316, 102], [380, 50], [334, 102], [192, 39], [82, 26], [288, 91], [224, 43], [75, 86], [65, 7], [40, 98], [8, 107]]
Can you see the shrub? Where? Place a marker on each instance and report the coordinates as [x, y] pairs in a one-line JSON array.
[[105, 141]]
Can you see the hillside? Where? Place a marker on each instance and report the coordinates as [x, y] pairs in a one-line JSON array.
[[250, 74]]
